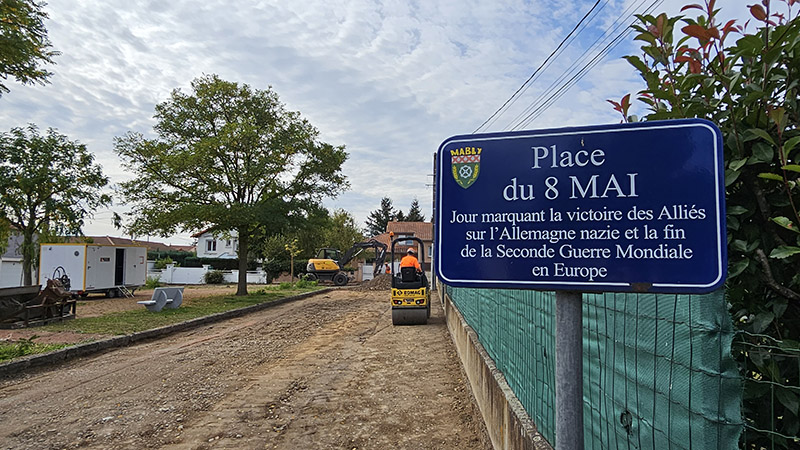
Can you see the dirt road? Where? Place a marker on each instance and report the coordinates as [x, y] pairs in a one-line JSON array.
[[329, 371]]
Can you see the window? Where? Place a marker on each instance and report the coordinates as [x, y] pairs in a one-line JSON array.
[[211, 245]]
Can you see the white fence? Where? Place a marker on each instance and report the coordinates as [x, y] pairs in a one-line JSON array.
[[196, 275]]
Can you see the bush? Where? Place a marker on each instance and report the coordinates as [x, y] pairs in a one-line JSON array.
[[152, 283], [276, 267], [749, 89], [303, 283], [162, 263], [285, 285], [215, 277]]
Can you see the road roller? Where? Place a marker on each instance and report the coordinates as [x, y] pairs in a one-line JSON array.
[[411, 294]]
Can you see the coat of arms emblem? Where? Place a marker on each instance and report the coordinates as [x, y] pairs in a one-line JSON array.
[[466, 169]]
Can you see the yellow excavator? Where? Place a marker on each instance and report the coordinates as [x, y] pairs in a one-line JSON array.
[[329, 263], [411, 294]]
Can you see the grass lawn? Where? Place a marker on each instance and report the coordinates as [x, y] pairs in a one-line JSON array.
[[9, 351], [127, 322]]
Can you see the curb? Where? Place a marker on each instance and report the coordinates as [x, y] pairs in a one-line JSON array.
[[507, 422], [20, 365]]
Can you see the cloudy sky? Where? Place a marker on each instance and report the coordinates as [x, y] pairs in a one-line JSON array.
[[389, 79]]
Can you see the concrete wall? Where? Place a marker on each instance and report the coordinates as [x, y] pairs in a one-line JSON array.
[[508, 424]]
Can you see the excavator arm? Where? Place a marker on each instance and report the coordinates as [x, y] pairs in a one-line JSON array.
[[358, 247]]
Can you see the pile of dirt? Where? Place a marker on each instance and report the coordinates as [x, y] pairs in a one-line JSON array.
[[382, 282]]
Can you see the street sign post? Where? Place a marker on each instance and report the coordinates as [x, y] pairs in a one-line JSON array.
[[628, 208]]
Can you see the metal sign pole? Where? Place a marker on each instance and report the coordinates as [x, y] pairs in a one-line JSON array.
[[569, 371]]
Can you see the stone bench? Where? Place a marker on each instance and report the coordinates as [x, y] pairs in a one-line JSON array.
[[164, 297]]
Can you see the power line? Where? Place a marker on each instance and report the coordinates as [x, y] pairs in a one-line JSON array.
[[584, 70], [612, 29], [514, 95], [558, 87]]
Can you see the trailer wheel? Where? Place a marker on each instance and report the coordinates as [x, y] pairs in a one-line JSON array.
[[340, 279], [112, 293]]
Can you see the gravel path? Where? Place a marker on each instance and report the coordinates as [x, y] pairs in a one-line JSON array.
[[329, 371]]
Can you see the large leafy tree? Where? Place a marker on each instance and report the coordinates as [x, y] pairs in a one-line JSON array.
[[48, 185], [746, 82], [378, 219], [230, 157], [24, 45]]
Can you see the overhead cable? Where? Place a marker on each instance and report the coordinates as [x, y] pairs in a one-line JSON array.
[[552, 54], [559, 86]]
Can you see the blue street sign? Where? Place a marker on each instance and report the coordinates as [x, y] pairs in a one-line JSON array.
[[632, 208]]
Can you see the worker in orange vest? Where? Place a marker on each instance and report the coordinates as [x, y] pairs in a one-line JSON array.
[[410, 260]]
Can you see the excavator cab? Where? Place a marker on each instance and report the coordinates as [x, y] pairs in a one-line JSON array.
[[411, 296]]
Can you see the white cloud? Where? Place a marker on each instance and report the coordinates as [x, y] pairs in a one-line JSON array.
[[390, 79]]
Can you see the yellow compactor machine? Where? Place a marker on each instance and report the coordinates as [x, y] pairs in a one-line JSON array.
[[411, 294]]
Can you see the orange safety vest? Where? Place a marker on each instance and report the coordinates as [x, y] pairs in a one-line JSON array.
[[410, 261]]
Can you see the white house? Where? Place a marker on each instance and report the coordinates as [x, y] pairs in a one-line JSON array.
[[11, 262], [213, 244]]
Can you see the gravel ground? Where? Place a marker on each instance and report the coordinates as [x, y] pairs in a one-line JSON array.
[[329, 371]]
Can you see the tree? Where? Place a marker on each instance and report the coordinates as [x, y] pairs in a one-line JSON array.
[[343, 231], [23, 43], [319, 229], [48, 185], [293, 249], [229, 157], [415, 213], [749, 89], [378, 219]]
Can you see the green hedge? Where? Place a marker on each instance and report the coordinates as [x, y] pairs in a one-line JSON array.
[[276, 267], [176, 256], [217, 263]]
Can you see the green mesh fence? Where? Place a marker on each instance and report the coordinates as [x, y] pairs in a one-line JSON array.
[[658, 371]]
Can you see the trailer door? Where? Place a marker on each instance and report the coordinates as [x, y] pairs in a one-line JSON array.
[[119, 267]]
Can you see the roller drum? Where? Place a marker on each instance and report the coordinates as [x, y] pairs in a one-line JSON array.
[[409, 316]]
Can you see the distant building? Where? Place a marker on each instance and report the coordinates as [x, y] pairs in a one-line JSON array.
[[11, 262], [421, 230], [212, 244]]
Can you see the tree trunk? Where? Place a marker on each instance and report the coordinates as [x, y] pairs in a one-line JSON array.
[[244, 243], [28, 255]]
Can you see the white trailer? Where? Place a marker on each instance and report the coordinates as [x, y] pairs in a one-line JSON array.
[[94, 268]]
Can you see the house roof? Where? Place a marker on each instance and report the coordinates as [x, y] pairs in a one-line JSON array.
[[234, 234], [201, 232], [422, 230], [110, 240]]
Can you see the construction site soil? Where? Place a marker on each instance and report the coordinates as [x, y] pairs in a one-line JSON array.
[[328, 371]]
